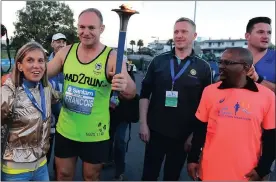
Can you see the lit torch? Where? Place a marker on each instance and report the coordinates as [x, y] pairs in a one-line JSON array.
[[124, 13]]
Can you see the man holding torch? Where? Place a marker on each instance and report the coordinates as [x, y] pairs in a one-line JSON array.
[[89, 76]]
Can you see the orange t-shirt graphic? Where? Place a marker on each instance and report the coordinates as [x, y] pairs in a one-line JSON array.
[[235, 120]]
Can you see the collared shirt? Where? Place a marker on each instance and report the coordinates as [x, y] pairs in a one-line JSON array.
[[168, 121], [266, 66], [235, 121], [250, 85]]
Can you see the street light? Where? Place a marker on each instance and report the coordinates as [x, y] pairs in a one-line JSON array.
[[194, 20], [195, 13]]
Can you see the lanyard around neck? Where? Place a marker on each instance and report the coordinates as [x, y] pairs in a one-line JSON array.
[[174, 78], [42, 109]]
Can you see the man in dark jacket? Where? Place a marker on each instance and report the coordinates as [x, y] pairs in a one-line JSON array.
[[170, 94]]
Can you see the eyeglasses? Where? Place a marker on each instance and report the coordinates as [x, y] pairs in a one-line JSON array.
[[229, 62]]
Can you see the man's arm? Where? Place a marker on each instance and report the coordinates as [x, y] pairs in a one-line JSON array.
[[146, 90], [268, 138], [268, 153], [200, 127], [55, 65], [130, 90], [199, 136], [252, 73], [143, 108], [145, 94]]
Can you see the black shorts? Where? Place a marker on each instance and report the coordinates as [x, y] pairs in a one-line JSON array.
[[90, 152]]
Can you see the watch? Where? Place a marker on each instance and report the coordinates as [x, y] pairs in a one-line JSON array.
[[260, 79]]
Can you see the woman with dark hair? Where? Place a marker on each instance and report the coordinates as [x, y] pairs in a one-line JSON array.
[[26, 109]]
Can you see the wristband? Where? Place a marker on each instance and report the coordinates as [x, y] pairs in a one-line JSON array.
[[260, 79]]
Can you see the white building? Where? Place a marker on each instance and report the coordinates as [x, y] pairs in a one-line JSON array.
[[3, 41], [218, 46], [159, 46]]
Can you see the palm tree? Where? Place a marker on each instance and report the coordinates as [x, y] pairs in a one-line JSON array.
[[140, 43], [170, 43], [132, 43]]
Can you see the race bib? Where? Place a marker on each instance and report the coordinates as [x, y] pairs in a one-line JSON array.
[[171, 99], [79, 100]]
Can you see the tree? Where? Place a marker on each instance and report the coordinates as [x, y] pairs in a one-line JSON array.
[[132, 43], [272, 47], [140, 43], [170, 43], [3, 46], [39, 20]]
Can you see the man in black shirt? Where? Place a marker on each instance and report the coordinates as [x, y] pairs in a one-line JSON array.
[[170, 94]]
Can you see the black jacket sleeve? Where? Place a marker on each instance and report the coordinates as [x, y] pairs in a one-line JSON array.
[[147, 82], [268, 153], [208, 79], [199, 136]]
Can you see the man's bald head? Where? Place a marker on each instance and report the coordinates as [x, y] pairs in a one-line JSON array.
[[240, 54]]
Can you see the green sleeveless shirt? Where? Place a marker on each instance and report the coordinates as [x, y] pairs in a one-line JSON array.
[[84, 115]]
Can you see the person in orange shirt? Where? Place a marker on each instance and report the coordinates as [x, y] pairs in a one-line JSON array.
[[235, 115]]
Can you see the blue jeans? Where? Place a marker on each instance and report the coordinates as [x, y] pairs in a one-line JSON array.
[[272, 176], [118, 152], [41, 174]]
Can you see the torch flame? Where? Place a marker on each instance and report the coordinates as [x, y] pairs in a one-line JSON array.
[[125, 7]]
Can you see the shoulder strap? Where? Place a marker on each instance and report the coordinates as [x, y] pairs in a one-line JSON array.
[[129, 136]]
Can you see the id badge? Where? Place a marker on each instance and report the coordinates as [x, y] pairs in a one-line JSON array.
[[171, 99]]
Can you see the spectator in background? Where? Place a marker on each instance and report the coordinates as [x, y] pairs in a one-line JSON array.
[[258, 35], [212, 60], [58, 42]]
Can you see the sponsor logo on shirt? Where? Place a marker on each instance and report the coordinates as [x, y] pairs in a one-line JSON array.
[[83, 79], [98, 68], [236, 111], [101, 131]]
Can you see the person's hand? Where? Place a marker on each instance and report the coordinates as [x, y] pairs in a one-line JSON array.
[[188, 144], [193, 170], [119, 82], [253, 74], [144, 132], [253, 176]]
